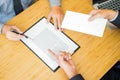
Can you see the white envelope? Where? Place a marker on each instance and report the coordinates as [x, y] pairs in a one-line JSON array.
[[79, 22]]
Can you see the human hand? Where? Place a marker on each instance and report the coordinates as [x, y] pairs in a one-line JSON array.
[[57, 15], [65, 62], [7, 30], [107, 14]]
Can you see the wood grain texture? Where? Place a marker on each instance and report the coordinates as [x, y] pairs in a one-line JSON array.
[[95, 57]]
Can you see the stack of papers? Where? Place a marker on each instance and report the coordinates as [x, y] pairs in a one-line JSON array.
[[79, 22]]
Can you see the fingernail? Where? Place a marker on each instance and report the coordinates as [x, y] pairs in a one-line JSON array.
[[67, 58], [61, 29]]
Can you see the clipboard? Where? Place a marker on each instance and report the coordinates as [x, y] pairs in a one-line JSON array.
[[43, 36]]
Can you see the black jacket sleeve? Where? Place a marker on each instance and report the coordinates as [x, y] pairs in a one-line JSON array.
[[77, 77], [117, 20]]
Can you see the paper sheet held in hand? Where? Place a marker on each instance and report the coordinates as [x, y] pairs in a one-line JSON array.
[[79, 22]]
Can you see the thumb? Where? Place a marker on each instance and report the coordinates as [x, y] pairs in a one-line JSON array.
[[63, 61], [49, 18], [17, 29]]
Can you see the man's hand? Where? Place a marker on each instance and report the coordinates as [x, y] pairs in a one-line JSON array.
[[107, 14], [57, 15], [7, 30], [65, 61]]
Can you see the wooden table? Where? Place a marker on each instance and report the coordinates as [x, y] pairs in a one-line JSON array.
[[95, 57]]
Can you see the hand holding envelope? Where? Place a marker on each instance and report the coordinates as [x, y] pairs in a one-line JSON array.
[[79, 22]]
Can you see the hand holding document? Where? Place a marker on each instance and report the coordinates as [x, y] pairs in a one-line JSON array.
[[79, 22]]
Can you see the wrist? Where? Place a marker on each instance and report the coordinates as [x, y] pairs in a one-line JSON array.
[[55, 7], [112, 15], [71, 73]]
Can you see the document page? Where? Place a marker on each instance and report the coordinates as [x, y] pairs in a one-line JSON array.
[[43, 36], [79, 22]]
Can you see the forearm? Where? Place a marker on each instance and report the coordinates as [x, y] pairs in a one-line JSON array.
[[55, 3], [77, 77]]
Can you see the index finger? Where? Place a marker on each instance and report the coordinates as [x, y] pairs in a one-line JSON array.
[[17, 29], [98, 15], [93, 12], [52, 54]]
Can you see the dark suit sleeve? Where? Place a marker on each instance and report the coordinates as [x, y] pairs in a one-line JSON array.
[[77, 77], [117, 20]]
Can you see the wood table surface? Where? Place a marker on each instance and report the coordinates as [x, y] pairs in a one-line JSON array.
[[95, 57]]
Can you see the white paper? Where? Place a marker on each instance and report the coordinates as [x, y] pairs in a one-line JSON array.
[[43, 36], [79, 22]]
